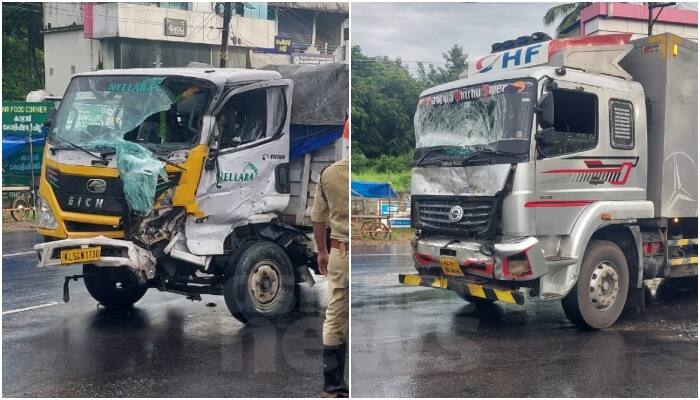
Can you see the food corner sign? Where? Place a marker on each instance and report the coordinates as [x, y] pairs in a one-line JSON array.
[[20, 121], [520, 57], [19, 118]]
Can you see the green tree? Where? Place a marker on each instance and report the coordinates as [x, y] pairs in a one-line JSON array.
[[455, 64], [22, 45], [384, 98], [566, 14]]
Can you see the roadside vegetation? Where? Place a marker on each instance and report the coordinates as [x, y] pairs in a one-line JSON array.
[[384, 97]]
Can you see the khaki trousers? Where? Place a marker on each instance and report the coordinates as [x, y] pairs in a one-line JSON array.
[[335, 327]]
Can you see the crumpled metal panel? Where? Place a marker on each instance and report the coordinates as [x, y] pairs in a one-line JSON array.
[[480, 180]]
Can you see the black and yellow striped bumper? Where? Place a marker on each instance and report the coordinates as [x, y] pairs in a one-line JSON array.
[[473, 289]]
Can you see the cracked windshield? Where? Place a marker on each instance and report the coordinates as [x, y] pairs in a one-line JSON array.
[[458, 124], [160, 113]]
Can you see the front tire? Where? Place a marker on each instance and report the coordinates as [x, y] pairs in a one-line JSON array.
[[262, 286], [597, 299], [112, 287]]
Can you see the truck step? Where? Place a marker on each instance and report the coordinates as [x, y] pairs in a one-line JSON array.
[[559, 262], [681, 242], [675, 262]]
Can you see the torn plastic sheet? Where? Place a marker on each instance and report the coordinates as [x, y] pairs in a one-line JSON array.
[[139, 170]]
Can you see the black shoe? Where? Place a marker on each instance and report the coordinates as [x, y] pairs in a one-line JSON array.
[[334, 371]]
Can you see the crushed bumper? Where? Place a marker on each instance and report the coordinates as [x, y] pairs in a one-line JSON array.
[[465, 286], [488, 260], [115, 253]]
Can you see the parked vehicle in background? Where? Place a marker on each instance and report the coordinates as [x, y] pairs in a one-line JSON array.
[[562, 169]]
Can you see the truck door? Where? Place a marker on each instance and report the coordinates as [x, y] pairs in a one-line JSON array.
[[245, 174], [571, 167]]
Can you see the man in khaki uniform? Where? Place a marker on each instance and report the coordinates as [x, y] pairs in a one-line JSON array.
[[331, 207]]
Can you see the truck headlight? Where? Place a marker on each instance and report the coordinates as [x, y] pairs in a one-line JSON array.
[[45, 216]]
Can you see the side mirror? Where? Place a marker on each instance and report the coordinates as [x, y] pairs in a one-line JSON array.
[[48, 122], [545, 111], [211, 160], [545, 137]]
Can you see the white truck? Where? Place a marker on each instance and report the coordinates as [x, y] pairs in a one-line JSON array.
[[560, 169], [191, 180]]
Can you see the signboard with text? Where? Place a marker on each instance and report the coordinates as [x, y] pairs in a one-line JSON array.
[[22, 140], [312, 59], [283, 45], [175, 27]]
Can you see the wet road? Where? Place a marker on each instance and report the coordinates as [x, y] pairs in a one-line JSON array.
[[166, 346], [428, 342]]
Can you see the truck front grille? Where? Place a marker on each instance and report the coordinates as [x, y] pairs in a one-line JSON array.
[[432, 213]]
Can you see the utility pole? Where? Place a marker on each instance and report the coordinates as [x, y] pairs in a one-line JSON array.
[[225, 35], [651, 20]]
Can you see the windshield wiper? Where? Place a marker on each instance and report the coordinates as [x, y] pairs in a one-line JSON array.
[[437, 161], [488, 151], [99, 157]]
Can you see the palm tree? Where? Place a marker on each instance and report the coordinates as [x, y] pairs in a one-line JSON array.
[[568, 12]]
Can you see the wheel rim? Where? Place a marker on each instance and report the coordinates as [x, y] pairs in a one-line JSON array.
[[264, 284], [604, 286]]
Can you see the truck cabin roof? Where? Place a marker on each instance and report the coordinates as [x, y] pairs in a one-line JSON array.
[[598, 56], [538, 72], [218, 76]]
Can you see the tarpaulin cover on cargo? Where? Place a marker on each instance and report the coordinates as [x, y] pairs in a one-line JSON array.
[[320, 92], [372, 190]]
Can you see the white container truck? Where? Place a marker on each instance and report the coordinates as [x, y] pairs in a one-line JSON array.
[[560, 169]]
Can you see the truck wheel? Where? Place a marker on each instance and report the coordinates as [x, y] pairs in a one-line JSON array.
[[262, 285], [597, 299], [112, 287]]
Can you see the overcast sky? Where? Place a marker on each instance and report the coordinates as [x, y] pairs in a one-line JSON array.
[[423, 31]]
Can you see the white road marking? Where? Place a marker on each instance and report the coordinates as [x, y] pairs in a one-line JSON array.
[[53, 303], [24, 253]]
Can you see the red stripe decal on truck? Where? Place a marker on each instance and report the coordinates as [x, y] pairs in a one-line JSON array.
[[558, 203]]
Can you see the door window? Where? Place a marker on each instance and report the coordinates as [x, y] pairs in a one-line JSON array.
[[252, 116], [575, 123]]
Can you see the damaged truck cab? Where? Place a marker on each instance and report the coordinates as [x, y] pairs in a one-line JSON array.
[[183, 180], [563, 170]]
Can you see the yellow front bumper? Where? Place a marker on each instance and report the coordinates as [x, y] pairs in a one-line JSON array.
[[470, 288]]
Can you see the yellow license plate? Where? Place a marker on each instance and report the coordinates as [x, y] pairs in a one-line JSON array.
[[76, 256], [450, 266]]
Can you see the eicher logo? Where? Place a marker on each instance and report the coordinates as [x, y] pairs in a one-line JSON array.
[[247, 174], [85, 202], [511, 59], [266, 157]]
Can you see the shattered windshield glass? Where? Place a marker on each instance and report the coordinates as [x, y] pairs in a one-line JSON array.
[[458, 122], [160, 113]]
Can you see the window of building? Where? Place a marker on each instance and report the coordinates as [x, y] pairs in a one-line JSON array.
[[621, 124], [252, 116], [575, 123], [151, 54], [175, 5]]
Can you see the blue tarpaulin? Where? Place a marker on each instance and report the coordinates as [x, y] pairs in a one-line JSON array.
[[312, 138], [12, 145], [373, 190]]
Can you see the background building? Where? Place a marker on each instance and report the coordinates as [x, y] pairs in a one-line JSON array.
[[81, 37], [606, 18]]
